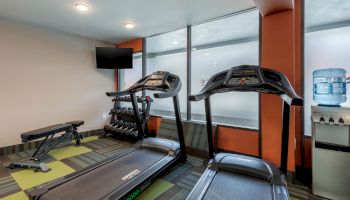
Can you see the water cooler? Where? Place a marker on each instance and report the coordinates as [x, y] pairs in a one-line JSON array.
[[331, 152]]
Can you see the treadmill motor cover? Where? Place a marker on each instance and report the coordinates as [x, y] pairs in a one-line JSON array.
[[248, 166]]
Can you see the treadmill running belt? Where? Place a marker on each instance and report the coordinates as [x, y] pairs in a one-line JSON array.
[[102, 181], [226, 185]]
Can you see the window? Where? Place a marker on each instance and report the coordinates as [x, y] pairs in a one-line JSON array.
[[167, 52], [217, 46], [327, 44], [127, 77]]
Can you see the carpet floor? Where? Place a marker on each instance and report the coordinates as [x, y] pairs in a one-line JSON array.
[[174, 185]]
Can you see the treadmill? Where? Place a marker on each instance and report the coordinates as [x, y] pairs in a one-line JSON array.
[[127, 174], [233, 176]]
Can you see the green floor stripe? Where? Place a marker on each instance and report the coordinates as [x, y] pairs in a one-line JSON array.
[[156, 189]]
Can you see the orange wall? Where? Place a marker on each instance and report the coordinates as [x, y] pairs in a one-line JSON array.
[[238, 140], [135, 44]]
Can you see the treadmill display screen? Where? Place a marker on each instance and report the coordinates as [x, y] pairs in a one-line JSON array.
[[244, 77], [155, 80], [154, 83]]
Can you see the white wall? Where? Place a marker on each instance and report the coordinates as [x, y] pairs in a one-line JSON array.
[[48, 77], [324, 49]]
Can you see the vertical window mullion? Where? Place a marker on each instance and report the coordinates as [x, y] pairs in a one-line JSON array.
[[189, 56]]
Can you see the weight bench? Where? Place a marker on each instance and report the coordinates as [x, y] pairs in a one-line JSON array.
[[70, 130]]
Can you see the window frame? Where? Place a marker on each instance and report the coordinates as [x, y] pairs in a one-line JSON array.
[[188, 52]]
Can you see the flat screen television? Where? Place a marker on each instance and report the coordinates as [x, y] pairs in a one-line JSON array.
[[114, 58]]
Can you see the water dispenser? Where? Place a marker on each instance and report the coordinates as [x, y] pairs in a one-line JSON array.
[[329, 86], [331, 152]]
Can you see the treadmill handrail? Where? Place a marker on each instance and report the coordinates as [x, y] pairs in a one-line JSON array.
[[118, 94], [271, 82]]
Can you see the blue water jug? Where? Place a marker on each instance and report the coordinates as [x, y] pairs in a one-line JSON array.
[[329, 86]]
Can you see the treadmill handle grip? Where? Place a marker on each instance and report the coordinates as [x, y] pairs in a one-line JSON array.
[[198, 97], [117, 94]]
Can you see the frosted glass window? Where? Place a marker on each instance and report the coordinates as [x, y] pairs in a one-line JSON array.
[[220, 45], [127, 77], [327, 45], [166, 52]]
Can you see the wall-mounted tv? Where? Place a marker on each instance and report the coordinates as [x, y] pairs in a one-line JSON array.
[[114, 58]]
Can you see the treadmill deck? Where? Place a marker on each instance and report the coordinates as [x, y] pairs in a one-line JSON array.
[[100, 182]]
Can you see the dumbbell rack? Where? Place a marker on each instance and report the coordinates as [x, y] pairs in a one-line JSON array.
[[123, 122]]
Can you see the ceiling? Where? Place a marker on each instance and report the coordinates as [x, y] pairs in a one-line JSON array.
[[233, 28], [325, 12], [104, 21]]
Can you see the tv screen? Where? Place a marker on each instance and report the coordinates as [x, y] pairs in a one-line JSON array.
[[113, 58]]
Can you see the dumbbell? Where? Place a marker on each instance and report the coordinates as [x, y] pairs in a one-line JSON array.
[[124, 128], [119, 124], [130, 111], [124, 111], [132, 127]]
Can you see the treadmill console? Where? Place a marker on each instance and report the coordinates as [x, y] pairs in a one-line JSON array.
[[156, 79], [244, 77], [249, 78], [163, 81]]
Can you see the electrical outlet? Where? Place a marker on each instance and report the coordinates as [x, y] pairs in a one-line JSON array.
[[104, 115]]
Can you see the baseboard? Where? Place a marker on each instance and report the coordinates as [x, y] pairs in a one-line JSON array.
[[17, 148]]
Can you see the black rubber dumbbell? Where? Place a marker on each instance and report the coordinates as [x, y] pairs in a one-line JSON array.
[[119, 124]]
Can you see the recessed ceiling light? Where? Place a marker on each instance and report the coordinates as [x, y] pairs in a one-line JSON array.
[[175, 42], [81, 6], [194, 49], [129, 25], [207, 54]]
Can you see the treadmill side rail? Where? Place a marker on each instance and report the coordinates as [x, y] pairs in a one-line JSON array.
[[202, 185]]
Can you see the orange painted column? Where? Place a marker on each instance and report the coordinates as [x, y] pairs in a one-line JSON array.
[[280, 50], [298, 27], [277, 53]]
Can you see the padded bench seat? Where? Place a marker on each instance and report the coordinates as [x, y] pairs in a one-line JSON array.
[[43, 132], [76, 123], [50, 130], [70, 131]]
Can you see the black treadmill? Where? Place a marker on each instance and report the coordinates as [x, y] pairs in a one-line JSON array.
[[231, 176], [130, 172]]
